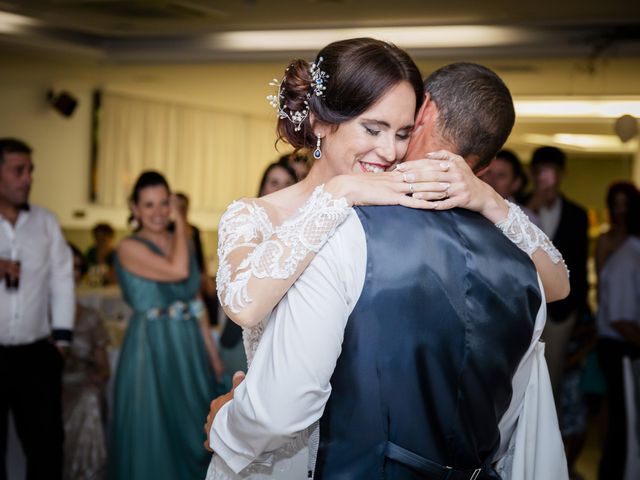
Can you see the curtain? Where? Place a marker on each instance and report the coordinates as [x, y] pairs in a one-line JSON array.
[[213, 156]]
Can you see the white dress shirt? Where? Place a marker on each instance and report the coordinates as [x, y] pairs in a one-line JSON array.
[[288, 384], [549, 218], [46, 288], [620, 289]]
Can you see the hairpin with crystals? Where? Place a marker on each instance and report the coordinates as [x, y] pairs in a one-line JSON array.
[[297, 117]]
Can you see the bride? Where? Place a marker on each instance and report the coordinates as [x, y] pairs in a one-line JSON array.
[[355, 107]]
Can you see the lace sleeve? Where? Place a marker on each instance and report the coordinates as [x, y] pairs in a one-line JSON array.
[[528, 237], [250, 248]]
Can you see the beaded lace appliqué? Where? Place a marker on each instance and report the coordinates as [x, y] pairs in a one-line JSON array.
[[528, 237], [271, 252]]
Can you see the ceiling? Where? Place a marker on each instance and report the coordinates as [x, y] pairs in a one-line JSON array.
[[548, 48]]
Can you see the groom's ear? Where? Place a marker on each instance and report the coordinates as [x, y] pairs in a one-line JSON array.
[[422, 114]]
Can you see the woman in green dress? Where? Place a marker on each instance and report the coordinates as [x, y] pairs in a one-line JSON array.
[[165, 377]]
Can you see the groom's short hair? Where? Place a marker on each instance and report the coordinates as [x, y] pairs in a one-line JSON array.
[[475, 109]]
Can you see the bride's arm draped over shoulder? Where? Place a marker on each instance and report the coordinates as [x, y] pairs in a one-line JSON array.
[[466, 190], [259, 261], [548, 260]]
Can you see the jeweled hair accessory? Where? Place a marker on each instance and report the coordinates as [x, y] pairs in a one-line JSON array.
[[318, 78], [297, 117]]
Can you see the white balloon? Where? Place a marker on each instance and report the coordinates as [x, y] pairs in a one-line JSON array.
[[626, 127]]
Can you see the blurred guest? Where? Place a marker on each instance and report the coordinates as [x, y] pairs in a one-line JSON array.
[[85, 375], [165, 377], [100, 255], [37, 309], [276, 177], [566, 224], [624, 216], [208, 286], [573, 401], [618, 257], [182, 203], [101, 252], [298, 162], [507, 177]]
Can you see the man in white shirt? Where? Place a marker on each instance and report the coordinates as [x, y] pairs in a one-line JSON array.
[[411, 298], [37, 308]]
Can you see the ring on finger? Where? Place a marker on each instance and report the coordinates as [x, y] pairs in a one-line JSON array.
[[411, 188], [446, 193]]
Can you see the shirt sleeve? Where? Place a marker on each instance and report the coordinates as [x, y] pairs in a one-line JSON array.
[[287, 386], [61, 284]]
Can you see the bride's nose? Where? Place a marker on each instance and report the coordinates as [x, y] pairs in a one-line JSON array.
[[387, 148]]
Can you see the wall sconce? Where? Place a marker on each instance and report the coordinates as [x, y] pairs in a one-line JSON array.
[[64, 103]]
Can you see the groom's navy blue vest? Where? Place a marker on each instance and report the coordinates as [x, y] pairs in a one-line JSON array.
[[446, 314]]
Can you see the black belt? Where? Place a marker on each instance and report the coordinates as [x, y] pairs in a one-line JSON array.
[[433, 470]]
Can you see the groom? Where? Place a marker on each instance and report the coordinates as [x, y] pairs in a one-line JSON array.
[[412, 327]]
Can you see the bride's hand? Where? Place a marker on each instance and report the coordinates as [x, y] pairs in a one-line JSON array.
[[385, 188], [464, 189]]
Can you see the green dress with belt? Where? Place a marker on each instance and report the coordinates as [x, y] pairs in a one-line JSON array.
[[164, 382]]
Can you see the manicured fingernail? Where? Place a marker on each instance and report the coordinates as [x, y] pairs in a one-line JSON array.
[[400, 166], [409, 177], [445, 166]]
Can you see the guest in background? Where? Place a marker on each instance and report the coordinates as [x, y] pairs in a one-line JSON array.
[[618, 259], [37, 308], [573, 405], [85, 375], [566, 225], [208, 285], [168, 363], [100, 255], [299, 162], [276, 176], [507, 177], [624, 215]]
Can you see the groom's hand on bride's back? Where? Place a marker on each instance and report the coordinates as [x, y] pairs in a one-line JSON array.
[[216, 405]]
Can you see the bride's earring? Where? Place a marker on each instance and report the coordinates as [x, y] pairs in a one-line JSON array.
[[317, 153]]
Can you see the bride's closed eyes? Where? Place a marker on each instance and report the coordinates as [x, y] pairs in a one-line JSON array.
[[374, 128]]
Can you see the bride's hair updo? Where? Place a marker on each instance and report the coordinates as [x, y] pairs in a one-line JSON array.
[[358, 72]]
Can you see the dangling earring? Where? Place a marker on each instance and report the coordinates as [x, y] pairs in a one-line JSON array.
[[317, 153]]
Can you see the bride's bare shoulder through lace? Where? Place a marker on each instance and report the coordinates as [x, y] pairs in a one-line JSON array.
[[250, 246]]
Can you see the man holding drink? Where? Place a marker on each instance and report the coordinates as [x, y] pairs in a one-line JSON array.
[[37, 308]]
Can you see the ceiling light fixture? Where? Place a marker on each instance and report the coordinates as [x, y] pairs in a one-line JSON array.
[[585, 108], [451, 36], [583, 142], [12, 23]]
